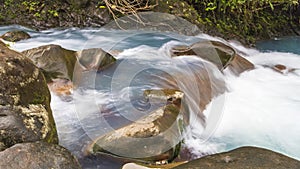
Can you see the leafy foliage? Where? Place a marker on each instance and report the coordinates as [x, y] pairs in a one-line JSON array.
[[247, 18]]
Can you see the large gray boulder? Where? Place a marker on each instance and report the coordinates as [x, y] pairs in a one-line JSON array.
[[38, 155], [25, 113], [155, 137], [245, 157]]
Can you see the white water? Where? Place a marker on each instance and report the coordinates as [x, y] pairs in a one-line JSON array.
[[262, 107]]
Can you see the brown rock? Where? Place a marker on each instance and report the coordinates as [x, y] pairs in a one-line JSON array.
[[245, 157], [16, 35], [239, 64], [222, 55], [155, 137], [53, 60], [94, 59]]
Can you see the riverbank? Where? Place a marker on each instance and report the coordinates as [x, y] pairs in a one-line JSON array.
[[242, 21]]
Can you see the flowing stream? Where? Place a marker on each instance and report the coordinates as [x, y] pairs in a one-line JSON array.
[[260, 108]]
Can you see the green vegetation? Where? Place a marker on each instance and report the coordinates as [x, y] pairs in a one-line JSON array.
[[248, 19], [244, 20]]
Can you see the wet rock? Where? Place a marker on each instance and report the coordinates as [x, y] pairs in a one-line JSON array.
[[53, 60], [94, 59], [25, 113], [220, 54], [239, 64], [90, 61], [15, 35], [62, 88], [57, 62], [155, 137], [245, 157], [37, 155], [281, 68], [213, 51]]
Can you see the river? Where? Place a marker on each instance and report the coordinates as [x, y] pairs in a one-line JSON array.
[[260, 108]]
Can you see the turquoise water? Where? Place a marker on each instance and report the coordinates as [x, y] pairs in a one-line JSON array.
[[285, 44]]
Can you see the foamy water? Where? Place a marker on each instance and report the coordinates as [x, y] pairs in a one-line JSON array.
[[261, 107]]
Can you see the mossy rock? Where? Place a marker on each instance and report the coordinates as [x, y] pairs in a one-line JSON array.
[[24, 102]]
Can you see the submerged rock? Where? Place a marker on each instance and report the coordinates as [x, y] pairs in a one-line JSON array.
[[53, 60], [245, 157], [38, 155], [220, 54], [155, 137], [16, 35], [25, 113]]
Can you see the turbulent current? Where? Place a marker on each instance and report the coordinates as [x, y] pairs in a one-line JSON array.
[[260, 107]]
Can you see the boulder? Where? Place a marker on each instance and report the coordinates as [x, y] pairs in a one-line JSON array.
[[155, 137], [53, 60], [15, 35], [57, 62], [90, 61], [94, 59], [25, 113], [37, 155], [239, 64], [221, 54], [245, 157]]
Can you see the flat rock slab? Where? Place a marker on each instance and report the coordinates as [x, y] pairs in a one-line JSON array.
[[241, 158], [39, 155]]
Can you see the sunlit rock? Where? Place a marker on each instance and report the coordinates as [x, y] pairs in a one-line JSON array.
[[53, 60], [155, 137], [245, 157], [15, 35], [25, 113], [37, 155]]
